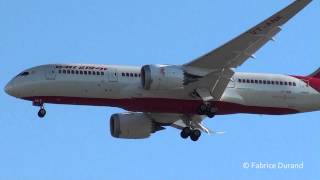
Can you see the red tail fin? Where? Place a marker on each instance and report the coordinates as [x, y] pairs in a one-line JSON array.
[[316, 74]]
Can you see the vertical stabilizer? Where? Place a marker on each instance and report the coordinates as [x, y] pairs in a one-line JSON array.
[[315, 74]]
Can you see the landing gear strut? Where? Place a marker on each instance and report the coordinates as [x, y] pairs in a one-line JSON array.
[[207, 109], [42, 112], [193, 133]]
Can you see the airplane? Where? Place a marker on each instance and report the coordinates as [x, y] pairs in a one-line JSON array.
[[181, 96]]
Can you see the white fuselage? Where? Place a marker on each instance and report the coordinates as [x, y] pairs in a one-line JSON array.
[[120, 86]]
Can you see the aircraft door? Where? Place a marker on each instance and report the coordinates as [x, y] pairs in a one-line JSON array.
[[231, 83], [51, 73], [112, 75]]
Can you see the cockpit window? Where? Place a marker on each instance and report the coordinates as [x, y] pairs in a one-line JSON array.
[[26, 73]]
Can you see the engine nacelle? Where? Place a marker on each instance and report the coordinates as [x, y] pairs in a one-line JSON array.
[[162, 77], [132, 126]]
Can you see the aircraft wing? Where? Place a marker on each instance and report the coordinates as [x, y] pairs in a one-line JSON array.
[[237, 51], [213, 71]]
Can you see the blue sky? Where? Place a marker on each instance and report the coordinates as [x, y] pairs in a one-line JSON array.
[[73, 142]]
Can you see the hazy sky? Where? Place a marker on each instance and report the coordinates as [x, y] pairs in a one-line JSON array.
[[73, 142]]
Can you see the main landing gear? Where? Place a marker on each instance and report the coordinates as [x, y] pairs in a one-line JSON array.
[[207, 109], [42, 112], [193, 133]]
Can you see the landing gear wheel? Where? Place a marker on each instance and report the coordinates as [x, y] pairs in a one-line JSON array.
[[185, 133], [210, 115], [207, 109], [202, 109], [211, 112], [195, 135], [42, 112]]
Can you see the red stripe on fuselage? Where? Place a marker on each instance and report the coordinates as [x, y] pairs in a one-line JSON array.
[[163, 105]]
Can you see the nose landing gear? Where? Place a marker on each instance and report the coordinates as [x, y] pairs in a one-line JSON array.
[[42, 112]]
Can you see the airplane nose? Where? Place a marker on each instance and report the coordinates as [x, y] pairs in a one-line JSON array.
[[9, 89]]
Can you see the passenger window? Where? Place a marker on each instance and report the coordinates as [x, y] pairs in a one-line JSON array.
[[131, 74], [123, 74], [281, 83], [72, 71], [98, 73], [135, 75], [285, 83], [294, 84], [264, 81], [127, 74], [59, 71], [68, 71], [85, 72], [290, 83], [239, 80], [260, 81], [272, 82], [93, 73], [81, 72], [268, 82], [248, 81], [64, 71], [256, 81], [102, 73], [252, 81], [277, 82], [89, 72]]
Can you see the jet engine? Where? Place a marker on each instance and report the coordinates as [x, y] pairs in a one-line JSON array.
[[132, 126], [162, 77]]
